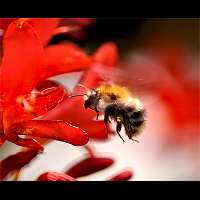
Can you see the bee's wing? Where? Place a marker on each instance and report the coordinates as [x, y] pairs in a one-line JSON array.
[[141, 71], [141, 77]]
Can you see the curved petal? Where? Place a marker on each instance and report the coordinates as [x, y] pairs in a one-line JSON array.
[[22, 60], [17, 114], [65, 57], [57, 130], [16, 161], [122, 176], [55, 176], [73, 111], [14, 114], [88, 166], [45, 100]]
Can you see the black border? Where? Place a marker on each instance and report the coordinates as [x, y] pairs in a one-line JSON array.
[[96, 189], [101, 9], [93, 190]]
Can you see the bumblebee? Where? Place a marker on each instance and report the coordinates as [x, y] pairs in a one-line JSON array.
[[118, 103]]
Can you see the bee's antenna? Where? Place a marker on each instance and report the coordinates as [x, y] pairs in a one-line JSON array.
[[77, 95]]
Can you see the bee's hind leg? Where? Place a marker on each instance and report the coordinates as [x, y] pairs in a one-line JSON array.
[[135, 140], [119, 127]]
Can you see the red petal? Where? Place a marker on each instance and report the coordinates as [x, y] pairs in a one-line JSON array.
[[123, 176], [16, 161], [89, 166], [65, 57], [55, 176], [14, 114], [95, 129], [68, 110], [57, 130], [22, 60], [44, 84], [107, 54], [46, 100], [43, 26]]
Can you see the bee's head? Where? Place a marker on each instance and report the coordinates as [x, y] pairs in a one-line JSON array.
[[90, 99]]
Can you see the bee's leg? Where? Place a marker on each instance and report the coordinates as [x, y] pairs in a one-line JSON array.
[[97, 112], [119, 127], [135, 140], [106, 119], [96, 108], [119, 131]]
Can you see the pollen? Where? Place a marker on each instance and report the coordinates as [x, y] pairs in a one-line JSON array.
[[20, 22]]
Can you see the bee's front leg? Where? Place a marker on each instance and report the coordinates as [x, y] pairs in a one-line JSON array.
[[97, 112]]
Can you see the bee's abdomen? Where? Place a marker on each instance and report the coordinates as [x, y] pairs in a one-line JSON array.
[[134, 122], [132, 119]]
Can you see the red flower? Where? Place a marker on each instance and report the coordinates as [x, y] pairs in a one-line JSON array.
[[40, 109], [105, 56], [23, 66]]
